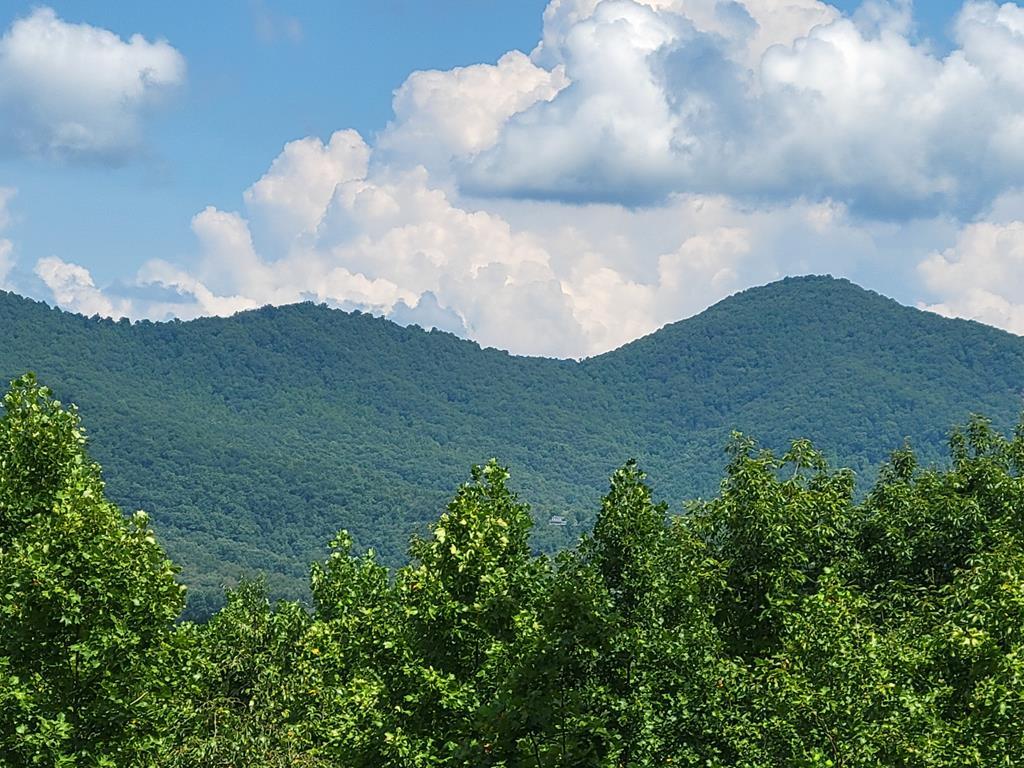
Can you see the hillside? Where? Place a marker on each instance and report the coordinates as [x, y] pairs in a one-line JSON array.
[[251, 439], [813, 357]]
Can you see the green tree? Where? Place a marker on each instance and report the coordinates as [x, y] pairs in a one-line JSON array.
[[471, 586], [241, 687], [774, 529], [359, 659], [87, 598]]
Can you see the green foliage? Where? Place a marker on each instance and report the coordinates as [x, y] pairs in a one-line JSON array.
[[253, 439], [242, 683], [772, 538], [86, 598], [782, 622]]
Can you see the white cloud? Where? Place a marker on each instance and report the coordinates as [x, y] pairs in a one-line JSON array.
[[183, 295], [613, 127], [73, 288], [79, 92], [401, 231], [460, 112], [229, 257], [292, 196], [752, 25], [981, 276], [535, 278], [768, 101]]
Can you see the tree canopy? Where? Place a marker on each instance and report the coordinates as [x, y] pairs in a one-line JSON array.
[[783, 621]]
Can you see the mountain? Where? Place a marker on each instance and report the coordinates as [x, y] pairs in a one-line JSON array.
[[252, 439]]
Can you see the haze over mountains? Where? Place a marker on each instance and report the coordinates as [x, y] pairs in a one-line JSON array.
[[252, 439]]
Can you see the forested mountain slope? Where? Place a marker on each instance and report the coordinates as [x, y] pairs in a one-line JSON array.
[[251, 439], [810, 357]]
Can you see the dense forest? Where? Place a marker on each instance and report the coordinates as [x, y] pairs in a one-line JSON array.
[[781, 622], [251, 439]]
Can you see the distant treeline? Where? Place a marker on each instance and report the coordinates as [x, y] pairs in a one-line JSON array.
[[779, 624]]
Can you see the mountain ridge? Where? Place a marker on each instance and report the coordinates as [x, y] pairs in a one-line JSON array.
[[252, 438], [727, 301]]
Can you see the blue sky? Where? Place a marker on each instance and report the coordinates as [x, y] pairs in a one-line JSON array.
[[251, 87], [646, 159]]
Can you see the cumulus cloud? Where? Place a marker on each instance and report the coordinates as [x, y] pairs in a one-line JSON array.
[[395, 244], [981, 276], [73, 288], [460, 112], [429, 314], [753, 25], [173, 292], [768, 101], [73, 91], [534, 278], [611, 128], [292, 196]]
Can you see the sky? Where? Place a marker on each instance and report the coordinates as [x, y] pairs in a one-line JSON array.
[[551, 178]]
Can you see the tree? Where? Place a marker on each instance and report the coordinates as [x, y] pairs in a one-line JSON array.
[[471, 586], [242, 685], [87, 598]]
